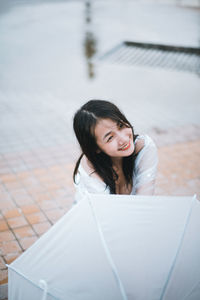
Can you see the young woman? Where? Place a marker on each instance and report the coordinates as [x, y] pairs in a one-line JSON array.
[[114, 160]]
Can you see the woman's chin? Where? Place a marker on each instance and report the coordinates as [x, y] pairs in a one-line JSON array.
[[130, 152]]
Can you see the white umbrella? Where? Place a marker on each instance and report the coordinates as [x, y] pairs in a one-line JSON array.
[[110, 247]]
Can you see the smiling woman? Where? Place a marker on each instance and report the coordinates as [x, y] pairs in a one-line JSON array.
[[114, 160]]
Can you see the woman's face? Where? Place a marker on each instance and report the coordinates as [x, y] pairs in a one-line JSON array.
[[116, 140]]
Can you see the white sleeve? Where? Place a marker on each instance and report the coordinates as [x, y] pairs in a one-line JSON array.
[[146, 168]]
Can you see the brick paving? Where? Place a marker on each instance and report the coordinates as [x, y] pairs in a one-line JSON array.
[[31, 201], [179, 169]]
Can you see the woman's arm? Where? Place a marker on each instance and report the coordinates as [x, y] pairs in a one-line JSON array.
[[146, 168]]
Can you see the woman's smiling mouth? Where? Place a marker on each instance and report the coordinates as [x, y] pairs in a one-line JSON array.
[[125, 147]]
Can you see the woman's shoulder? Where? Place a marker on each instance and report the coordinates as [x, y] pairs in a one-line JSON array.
[[142, 142]]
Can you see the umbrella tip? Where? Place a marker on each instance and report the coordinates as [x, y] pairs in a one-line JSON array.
[[44, 286]]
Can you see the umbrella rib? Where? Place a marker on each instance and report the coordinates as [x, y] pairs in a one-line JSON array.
[[192, 290], [178, 249], [107, 252]]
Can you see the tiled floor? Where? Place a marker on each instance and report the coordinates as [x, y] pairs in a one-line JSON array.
[[179, 169], [31, 201]]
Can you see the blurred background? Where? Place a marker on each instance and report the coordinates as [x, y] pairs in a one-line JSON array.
[[57, 54], [52, 58]]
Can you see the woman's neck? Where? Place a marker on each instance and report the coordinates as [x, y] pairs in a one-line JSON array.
[[117, 162]]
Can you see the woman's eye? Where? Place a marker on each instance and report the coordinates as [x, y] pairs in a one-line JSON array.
[[121, 125], [110, 138]]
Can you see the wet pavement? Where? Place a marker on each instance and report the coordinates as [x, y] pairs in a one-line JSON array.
[[49, 66]]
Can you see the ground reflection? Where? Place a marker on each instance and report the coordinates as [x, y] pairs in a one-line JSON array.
[[90, 41]]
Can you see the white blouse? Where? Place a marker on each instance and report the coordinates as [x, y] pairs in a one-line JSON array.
[[144, 174]]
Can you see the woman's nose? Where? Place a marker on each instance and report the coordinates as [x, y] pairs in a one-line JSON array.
[[121, 139]]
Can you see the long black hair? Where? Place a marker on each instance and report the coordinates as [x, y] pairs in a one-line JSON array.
[[85, 120]]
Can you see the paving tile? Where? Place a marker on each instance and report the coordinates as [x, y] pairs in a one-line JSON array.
[[62, 192], [7, 204], [12, 213], [27, 242], [66, 208], [54, 214], [42, 156], [34, 191], [19, 193], [26, 155], [66, 192], [3, 277], [57, 171], [9, 258], [2, 188], [4, 194], [47, 163], [23, 175], [46, 178], [65, 202], [14, 185], [30, 181], [15, 161], [51, 186], [3, 164], [17, 222], [33, 165], [36, 218], [3, 225], [41, 227], [63, 182], [19, 168], [2, 263], [31, 159], [29, 209], [6, 236], [25, 231], [8, 178], [10, 247], [11, 156], [42, 196], [48, 204], [5, 170], [21, 201], [62, 160], [40, 172]]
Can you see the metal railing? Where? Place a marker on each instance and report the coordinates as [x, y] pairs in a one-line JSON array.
[[155, 55]]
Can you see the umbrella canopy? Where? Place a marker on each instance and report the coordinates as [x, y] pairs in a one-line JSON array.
[[115, 247]]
